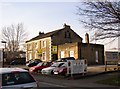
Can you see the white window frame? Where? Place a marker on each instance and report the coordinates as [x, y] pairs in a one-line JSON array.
[[96, 55], [62, 54], [43, 43], [72, 53], [36, 45], [30, 56]]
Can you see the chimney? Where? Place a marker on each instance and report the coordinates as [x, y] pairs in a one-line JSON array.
[[87, 38], [66, 26], [41, 33]]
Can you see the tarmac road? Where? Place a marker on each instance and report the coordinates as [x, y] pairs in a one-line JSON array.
[[82, 83], [96, 73]]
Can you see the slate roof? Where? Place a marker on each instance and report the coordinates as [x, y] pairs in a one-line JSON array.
[[49, 34], [44, 35]]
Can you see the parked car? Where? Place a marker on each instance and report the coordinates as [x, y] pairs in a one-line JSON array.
[[65, 59], [49, 70], [40, 66], [62, 70], [16, 78], [18, 61], [32, 63], [119, 63]]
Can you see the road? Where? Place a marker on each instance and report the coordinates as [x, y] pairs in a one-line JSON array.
[[62, 82]]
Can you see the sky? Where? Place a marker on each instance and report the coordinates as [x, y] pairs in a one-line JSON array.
[[41, 15]]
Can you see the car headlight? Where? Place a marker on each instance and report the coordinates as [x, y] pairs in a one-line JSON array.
[[33, 68], [61, 70]]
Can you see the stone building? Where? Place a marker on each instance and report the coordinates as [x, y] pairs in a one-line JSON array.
[[94, 53], [45, 45]]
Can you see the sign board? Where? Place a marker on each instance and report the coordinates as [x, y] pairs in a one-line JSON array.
[[76, 66], [39, 51], [54, 49], [111, 56]]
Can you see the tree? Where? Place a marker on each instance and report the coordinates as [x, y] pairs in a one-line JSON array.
[[13, 35], [102, 17]]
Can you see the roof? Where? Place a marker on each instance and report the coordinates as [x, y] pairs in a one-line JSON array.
[[8, 70], [49, 34]]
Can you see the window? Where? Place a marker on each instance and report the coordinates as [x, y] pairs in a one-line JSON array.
[[96, 53], [36, 45], [43, 43], [62, 54], [29, 46], [44, 56], [67, 34], [35, 54], [16, 78], [71, 53]]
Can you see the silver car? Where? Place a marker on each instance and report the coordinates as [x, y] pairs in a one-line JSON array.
[[49, 70], [16, 78]]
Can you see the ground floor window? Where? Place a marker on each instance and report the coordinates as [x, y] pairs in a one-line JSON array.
[[71, 53], [44, 56], [96, 53], [62, 54], [30, 56]]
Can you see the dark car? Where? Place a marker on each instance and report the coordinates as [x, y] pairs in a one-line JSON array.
[[119, 63], [65, 59], [32, 63], [18, 61], [40, 66]]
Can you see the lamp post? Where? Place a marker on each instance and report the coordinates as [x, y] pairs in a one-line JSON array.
[[3, 52]]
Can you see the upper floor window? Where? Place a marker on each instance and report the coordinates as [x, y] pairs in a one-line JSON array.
[[36, 45], [67, 34], [29, 46], [43, 43]]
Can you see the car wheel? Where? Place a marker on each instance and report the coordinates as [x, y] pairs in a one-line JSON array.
[[52, 72]]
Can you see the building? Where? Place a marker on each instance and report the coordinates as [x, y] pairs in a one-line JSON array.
[[94, 53], [45, 45]]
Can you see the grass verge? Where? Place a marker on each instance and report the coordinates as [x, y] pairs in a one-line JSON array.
[[115, 81]]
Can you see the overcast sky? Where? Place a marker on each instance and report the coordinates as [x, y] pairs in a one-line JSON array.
[[37, 15]]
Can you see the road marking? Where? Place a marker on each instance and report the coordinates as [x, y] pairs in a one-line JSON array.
[[51, 84]]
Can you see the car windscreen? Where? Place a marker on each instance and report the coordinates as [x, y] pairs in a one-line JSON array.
[[40, 64], [64, 65], [57, 64], [16, 78]]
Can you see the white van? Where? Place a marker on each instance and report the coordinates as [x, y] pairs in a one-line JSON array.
[[16, 78]]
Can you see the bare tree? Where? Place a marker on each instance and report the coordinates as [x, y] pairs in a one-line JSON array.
[[14, 35], [102, 17]]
